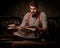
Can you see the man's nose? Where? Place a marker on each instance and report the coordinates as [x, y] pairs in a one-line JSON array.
[[32, 10]]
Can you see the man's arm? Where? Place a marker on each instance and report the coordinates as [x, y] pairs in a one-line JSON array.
[[24, 21], [44, 23], [23, 24], [42, 29]]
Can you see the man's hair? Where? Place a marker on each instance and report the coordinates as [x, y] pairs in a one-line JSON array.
[[34, 3]]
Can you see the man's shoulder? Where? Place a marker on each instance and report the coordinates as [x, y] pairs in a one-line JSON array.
[[28, 13], [42, 12]]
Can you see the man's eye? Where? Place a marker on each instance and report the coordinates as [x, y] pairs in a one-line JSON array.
[[30, 8], [34, 8]]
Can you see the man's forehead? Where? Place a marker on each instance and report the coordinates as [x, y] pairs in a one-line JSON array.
[[32, 7]]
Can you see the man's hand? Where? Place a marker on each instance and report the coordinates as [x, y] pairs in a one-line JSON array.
[[42, 29]]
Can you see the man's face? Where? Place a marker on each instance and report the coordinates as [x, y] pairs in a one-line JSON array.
[[33, 10]]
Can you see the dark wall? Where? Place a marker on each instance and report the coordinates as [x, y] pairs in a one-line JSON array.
[[20, 7]]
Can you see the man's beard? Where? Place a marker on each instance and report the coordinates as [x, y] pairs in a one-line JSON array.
[[35, 14]]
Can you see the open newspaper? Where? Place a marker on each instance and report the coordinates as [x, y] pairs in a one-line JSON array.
[[14, 27], [31, 29]]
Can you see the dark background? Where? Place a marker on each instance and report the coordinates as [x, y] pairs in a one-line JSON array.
[[19, 8]]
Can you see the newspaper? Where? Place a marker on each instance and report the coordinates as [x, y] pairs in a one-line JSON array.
[[31, 29], [14, 27], [11, 28]]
